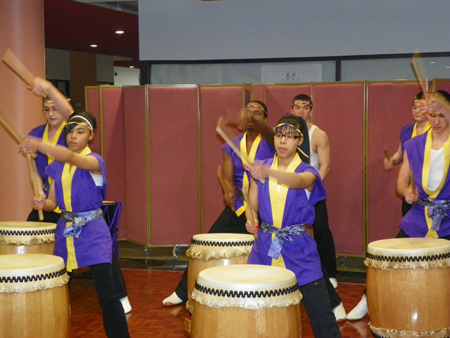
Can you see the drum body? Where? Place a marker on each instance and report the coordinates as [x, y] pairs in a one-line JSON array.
[[27, 237], [217, 249], [246, 301], [34, 297], [407, 287]]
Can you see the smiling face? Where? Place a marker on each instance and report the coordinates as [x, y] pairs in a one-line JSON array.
[[78, 137]]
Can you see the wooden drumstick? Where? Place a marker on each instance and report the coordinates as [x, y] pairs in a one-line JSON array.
[[386, 154], [13, 62], [222, 182], [31, 165], [420, 79], [221, 130], [413, 184], [248, 210]]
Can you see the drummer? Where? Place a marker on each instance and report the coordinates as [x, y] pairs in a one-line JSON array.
[[419, 127], [57, 110], [232, 220], [285, 205], [82, 236], [425, 159]]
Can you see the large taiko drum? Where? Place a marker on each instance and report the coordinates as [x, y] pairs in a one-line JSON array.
[[216, 249], [34, 297], [408, 293], [27, 237], [246, 301]]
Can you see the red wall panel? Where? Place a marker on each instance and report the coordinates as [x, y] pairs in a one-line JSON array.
[[215, 101], [339, 111], [93, 107], [113, 147], [174, 163], [389, 109], [137, 178]]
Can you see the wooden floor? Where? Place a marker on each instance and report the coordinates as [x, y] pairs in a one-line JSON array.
[[148, 286]]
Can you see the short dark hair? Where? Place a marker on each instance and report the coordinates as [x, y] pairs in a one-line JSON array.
[[263, 106], [444, 94], [302, 97]]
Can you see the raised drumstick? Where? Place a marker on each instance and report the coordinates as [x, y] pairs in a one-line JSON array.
[[12, 61], [221, 129], [416, 59], [31, 165]]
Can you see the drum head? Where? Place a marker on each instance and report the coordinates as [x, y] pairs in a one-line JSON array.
[[248, 286], [26, 233], [31, 272]]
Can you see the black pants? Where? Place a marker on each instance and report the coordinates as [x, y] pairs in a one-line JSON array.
[[114, 320], [405, 207], [50, 217], [324, 239], [119, 281], [317, 306], [228, 222]]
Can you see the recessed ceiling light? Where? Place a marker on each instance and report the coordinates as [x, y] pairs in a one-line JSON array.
[[131, 66], [120, 32], [94, 46], [432, 62]]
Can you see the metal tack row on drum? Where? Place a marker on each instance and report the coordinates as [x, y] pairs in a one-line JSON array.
[[27, 237], [408, 293], [34, 297], [209, 250], [228, 298]]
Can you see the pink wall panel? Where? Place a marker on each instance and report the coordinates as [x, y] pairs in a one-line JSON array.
[[442, 84], [136, 168], [174, 164], [93, 107], [214, 102], [279, 98], [258, 92], [339, 111], [389, 109], [113, 146]]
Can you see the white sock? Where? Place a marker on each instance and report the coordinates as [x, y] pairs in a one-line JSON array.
[[126, 304], [359, 310], [339, 312], [334, 282], [173, 298]]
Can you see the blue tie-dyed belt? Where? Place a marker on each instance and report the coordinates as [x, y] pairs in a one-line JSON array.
[[281, 235], [437, 211], [79, 219]]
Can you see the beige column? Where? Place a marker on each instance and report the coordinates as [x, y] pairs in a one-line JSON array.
[[22, 31]]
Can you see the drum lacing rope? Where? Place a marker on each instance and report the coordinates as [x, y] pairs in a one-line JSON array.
[[247, 294], [408, 258], [234, 243], [27, 232], [33, 278]]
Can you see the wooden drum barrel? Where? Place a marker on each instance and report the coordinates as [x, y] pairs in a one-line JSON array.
[[407, 287], [27, 237], [34, 297], [246, 301], [216, 249]]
